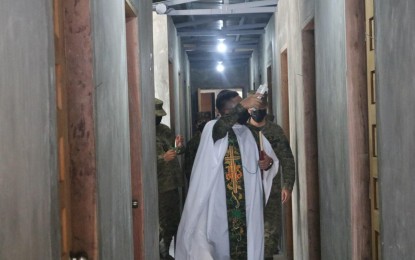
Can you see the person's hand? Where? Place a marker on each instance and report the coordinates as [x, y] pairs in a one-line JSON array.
[[169, 155], [265, 163], [285, 195], [251, 102], [179, 140]]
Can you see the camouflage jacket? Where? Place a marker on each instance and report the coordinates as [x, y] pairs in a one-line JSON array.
[[274, 134], [169, 174], [190, 153], [224, 123]]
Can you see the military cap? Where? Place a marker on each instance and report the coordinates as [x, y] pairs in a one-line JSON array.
[[159, 108]]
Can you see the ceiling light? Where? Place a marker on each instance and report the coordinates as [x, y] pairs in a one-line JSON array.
[[222, 46], [220, 67], [220, 24]]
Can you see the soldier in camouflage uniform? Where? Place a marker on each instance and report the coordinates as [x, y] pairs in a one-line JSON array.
[[259, 121], [275, 135], [191, 147], [170, 179]]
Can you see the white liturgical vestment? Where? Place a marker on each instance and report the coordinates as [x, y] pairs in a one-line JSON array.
[[203, 229]]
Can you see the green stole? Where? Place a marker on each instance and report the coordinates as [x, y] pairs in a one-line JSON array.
[[235, 199]]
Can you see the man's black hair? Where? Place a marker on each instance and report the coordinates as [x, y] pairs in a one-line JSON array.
[[223, 97]]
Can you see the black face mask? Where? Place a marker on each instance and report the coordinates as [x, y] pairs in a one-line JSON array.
[[158, 119], [258, 115], [243, 118]]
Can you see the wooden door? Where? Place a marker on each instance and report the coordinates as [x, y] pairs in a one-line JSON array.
[[285, 94], [371, 85], [310, 140], [207, 103], [285, 106], [134, 97], [62, 128]]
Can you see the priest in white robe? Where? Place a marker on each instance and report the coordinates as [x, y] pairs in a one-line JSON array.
[[219, 173]]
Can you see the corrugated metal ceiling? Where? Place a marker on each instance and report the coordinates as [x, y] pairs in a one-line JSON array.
[[200, 25]]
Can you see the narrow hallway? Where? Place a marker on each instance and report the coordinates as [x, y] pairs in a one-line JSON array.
[[81, 82]]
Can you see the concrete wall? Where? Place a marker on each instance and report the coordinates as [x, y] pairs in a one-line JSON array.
[[179, 60], [168, 49], [189, 101], [267, 49], [112, 131], [28, 165], [254, 70], [341, 123], [264, 56], [332, 125], [395, 63], [148, 140], [161, 62], [283, 33], [342, 129]]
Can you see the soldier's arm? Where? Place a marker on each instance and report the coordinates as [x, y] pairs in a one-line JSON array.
[[282, 149], [179, 150], [172, 138], [225, 123], [160, 155]]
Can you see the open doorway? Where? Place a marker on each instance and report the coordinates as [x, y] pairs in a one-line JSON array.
[[207, 104], [207, 100]]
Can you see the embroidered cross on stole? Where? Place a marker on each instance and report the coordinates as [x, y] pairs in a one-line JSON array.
[[235, 199]]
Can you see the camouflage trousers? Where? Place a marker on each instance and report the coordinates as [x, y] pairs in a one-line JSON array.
[[169, 217], [273, 221]]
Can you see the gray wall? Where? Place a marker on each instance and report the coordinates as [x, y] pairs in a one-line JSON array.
[[145, 31], [178, 57], [254, 70], [112, 131], [161, 63], [336, 116], [267, 55], [284, 32], [169, 50], [395, 63], [289, 22], [28, 167], [332, 129]]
